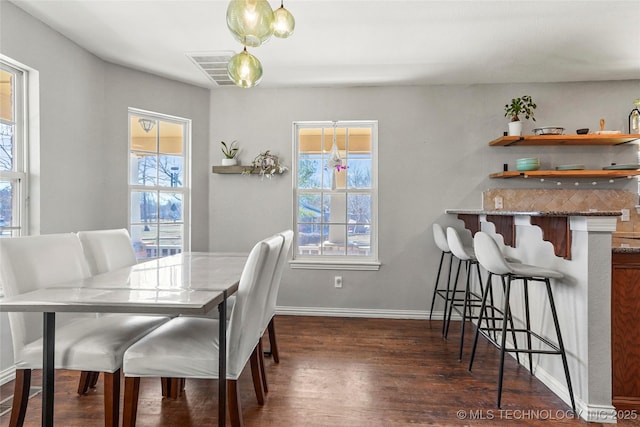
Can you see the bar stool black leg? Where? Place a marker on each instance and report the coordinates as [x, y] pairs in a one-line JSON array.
[[452, 297], [503, 342], [528, 322], [560, 344], [480, 317], [435, 289], [489, 301], [447, 298], [507, 314], [466, 307], [493, 315]]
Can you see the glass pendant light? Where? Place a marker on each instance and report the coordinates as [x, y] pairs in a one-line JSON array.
[[244, 69], [250, 21], [335, 161], [283, 22]]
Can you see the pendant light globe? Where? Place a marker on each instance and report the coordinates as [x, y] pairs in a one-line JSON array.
[[250, 21], [283, 22], [244, 69]]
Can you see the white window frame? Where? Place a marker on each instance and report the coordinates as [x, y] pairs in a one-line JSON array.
[[19, 176], [337, 262], [185, 190]]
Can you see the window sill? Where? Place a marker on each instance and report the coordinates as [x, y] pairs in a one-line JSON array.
[[314, 264]]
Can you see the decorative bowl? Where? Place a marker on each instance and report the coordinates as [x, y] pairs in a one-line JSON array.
[[583, 131], [569, 167], [529, 164], [549, 130], [531, 167]]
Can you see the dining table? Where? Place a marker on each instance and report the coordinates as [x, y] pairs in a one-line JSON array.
[[188, 283]]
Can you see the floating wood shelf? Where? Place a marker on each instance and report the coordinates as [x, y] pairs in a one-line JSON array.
[[566, 174], [237, 170], [614, 139], [231, 169]]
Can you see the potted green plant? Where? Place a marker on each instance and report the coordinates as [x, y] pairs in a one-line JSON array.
[[519, 106], [230, 151]]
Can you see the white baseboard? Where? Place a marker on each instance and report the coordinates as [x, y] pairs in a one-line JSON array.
[[361, 312], [7, 375], [591, 413]]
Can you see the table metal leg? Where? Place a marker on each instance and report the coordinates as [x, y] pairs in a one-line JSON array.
[[48, 368], [222, 363]]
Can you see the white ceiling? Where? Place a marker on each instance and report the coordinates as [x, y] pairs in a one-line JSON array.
[[368, 42]]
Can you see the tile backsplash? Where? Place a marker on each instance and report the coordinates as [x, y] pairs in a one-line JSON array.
[[566, 200]]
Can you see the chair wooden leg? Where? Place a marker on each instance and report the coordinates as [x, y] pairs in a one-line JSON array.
[[233, 399], [88, 379], [94, 379], [20, 397], [111, 398], [172, 388], [131, 392], [165, 386], [83, 382], [176, 387], [272, 340], [263, 372], [256, 374]]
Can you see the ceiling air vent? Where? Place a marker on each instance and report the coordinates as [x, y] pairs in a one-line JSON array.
[[214, 65]]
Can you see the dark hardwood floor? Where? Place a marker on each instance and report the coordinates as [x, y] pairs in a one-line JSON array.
[[345, 372]]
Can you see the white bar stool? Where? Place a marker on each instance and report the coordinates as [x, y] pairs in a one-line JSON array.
[[471, 299], [490, 257], [440, 240]]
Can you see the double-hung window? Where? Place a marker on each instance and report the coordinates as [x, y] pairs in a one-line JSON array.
[[335, 195], [159, 188], [13, 151]]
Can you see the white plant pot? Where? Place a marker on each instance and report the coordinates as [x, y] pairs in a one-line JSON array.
[[229, 162], [515, 128]]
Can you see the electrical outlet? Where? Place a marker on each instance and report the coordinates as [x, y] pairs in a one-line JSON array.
[[337, 281], [625, 215], [497, 202]]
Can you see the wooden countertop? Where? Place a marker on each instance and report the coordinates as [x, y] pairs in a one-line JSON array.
[[625, 243]]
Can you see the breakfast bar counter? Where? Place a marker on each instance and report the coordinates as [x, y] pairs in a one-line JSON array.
[[579, 245], [556, 226]]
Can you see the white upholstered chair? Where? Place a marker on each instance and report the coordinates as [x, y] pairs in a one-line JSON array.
[[268, 323], [107, 250], [83, 342], [104, 250], [187, 347]]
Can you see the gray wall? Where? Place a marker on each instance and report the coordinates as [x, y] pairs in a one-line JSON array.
[[432, 141], [433, 155], [83, 132]]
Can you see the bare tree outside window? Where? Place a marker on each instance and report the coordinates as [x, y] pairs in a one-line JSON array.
[[335, 189], [157, 186]]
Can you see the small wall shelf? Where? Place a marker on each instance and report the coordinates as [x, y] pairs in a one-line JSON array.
[[237, 170], [230, 169], [567, 174], [589, 139]]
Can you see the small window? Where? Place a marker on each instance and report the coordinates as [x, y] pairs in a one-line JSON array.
[[159, 186], [335, 195], [13, 148]]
